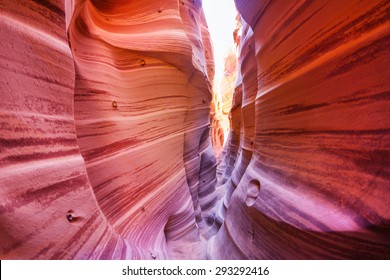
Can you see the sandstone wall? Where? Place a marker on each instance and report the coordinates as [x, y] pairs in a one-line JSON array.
[[48, 209], [105, 124], [306, 171], [110, 129]]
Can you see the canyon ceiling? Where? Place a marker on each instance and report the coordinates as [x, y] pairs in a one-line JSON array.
[[107, 119]]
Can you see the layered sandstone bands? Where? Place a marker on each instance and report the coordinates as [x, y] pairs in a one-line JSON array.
[[105, 124], [140, 83], [314, 99], [43, 175], [147, 157]]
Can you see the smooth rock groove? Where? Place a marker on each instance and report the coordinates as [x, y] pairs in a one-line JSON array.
[[105, 124]]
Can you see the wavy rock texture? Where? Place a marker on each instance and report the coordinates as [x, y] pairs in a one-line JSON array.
[[43, 176], [142, 113], [307, 165], [105, 124], [105, 154]]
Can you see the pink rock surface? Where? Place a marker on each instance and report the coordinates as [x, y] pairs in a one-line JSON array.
[[306, 168], [43, 176], [113, 130], [105, 132]]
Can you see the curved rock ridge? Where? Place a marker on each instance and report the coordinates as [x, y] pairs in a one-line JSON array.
[[105, 132], [105, 141], [47, 207], [307, 162]]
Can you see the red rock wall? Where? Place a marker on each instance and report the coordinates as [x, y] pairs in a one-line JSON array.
[[314, 99], [112, 128], [43, 177], [104, 132]]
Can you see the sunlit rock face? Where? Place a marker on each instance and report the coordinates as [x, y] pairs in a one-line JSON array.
[[307, 165], [105, 149], [223, 102], [105, 125]]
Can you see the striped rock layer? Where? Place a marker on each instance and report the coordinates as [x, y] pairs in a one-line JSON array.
[[306, 170], [105, 149], [105, 123]]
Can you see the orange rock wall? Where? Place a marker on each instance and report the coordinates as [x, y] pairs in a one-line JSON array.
[[105, 124]]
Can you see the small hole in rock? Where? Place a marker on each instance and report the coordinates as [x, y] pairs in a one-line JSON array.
[[69, 217], [114, 104], [142, 62], [252, 192], [210, 221], [160, 10]]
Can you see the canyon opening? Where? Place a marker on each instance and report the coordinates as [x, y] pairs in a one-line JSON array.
[[118, 143]]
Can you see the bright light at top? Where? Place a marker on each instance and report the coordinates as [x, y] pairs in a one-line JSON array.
[[221, 20]]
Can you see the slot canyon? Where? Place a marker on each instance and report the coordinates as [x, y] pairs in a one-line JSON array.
[[112, 143]]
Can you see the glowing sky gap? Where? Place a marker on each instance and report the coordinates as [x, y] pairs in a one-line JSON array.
[[220, 16]]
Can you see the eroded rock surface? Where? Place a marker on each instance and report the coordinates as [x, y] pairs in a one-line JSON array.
[[105, 141], [306, 168], [105, 125]]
